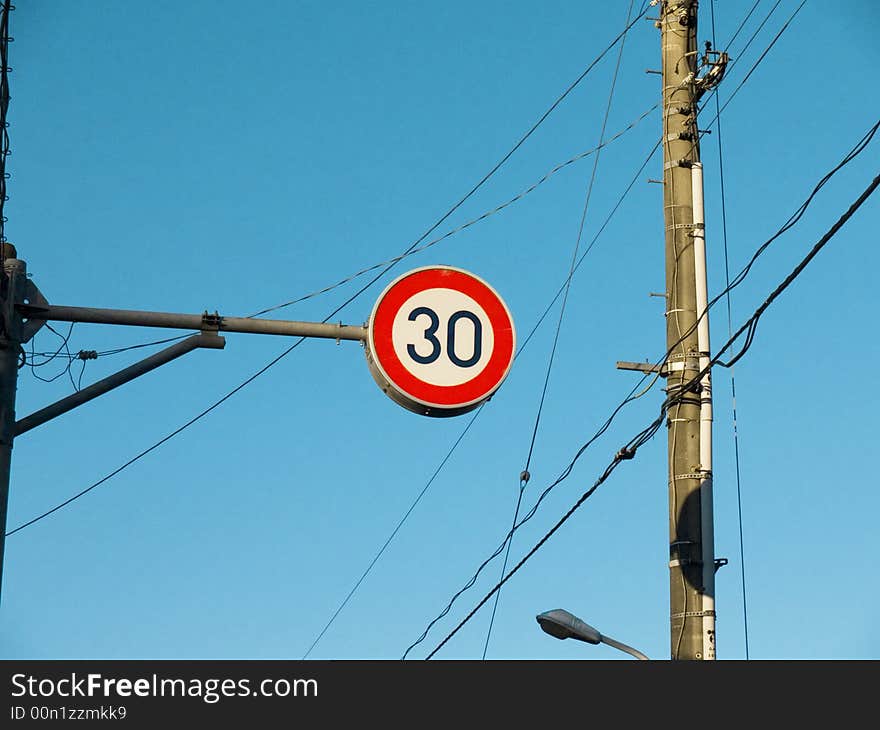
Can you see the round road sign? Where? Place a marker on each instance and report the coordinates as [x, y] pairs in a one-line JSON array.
[[440, 341]]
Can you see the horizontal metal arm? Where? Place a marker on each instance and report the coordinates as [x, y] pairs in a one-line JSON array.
[[204, 321], [64, 405]]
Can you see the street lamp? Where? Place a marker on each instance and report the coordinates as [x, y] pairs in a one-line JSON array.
[[563, 625]]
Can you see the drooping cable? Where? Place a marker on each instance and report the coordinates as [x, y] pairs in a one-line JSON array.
[[94, 354], [629, 451], [735, 429], [159, 443], [750, 327], [153, 343], [631, 396], [459, 228], [739, 28], [519, 497], [521, 347], [52, 356], [524, 474], [394, 532], [70, 357], [760, 58], [735, 59], [793, 219], [348, 301], [755, 32]]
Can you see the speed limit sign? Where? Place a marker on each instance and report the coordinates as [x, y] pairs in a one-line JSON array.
[[440, 341]]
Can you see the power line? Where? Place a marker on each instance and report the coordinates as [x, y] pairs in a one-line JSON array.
[[630, 397], [735, 59], [82, 355], [742, 560], [625, 453], [859, 147], [348, 301], [50, 356], [524, 474], [519, 352], [760, 58], [595, 238], [765, 52], [394, 532], [458, 229], [629, 451], [750, 327], [94, 354], [65, 339], [756, 31], [161, 441], [741, 25], [793, 219], [153, 343], [564, 475]]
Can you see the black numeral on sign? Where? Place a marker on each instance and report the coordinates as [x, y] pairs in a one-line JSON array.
[[478, 339], [430, 335]]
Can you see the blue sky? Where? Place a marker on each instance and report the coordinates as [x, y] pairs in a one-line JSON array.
[[200, 156]]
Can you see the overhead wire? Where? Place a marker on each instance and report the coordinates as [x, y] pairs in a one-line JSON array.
[[755, 32], [93, 354], [458, 229], [629, 450], [760, 58], [520, 348], [735, 425], [65, 339], [629, 398], [734, 59], [394, 532], [82, 355], [524, 474], [750, 327], [560, 291], [860, 146], [153, 343], [345, 303], [739, 28], [50, 356]]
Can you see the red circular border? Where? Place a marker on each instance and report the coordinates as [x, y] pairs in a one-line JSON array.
[[449, 396]]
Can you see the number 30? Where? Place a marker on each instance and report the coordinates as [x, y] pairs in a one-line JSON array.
[[431, 336]]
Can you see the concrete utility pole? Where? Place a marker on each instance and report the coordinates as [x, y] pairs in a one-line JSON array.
[[12, 285], [691, 548]]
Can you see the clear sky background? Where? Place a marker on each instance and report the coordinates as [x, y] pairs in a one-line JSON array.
[[224, 156]]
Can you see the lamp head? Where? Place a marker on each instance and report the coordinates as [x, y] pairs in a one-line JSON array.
[[563, 625]]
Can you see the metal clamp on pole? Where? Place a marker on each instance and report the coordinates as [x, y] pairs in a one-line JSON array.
[[212, 322]]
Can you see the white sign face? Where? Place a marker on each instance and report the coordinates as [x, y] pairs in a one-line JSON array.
[[444, 336], [440, 341]]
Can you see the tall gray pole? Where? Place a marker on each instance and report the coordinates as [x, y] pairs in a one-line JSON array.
[[11, 293], [691, 561]]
